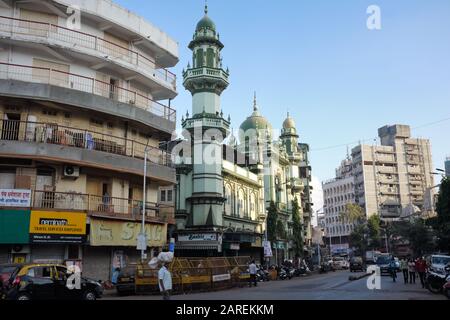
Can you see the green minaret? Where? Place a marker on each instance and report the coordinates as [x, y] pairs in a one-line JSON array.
[[206, 80]]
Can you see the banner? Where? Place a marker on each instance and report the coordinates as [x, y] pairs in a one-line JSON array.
[[197, 237], [15, 198], [57, 227], [267, 249], [118, 233]]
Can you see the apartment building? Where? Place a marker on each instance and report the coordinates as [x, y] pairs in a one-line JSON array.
[[337, 193], [84, 95], [394, 179]]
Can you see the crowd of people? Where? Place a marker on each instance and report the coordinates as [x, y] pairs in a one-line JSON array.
[[411, 269]]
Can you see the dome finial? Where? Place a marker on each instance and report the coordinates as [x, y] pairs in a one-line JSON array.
[[255, 106], [206, 7]]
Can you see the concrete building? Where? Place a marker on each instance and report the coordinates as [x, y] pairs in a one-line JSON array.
[[221, 206], [394, 179], [337, 194], [83, 96]]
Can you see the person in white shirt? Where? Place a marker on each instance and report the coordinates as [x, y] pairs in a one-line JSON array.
[[252, 270], [165, 281]]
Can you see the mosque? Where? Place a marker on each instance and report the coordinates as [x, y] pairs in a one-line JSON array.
[[235, 193]]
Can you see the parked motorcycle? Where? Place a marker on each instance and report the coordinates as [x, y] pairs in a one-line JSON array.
[[262, 275], [282, 274], [435, 281]]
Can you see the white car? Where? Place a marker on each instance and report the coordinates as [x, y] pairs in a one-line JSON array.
[[341, 263], [439, 262]]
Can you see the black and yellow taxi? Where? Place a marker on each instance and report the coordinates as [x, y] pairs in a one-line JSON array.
[[50, 282]]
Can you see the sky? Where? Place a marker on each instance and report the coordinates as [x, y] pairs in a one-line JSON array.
[[339, 80]]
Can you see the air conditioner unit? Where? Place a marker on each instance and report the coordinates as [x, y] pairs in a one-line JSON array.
[[22, 249], [71, 172]]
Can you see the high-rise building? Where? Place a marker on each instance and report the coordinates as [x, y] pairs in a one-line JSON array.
[[394, 179], [338, 193], [85, 93]]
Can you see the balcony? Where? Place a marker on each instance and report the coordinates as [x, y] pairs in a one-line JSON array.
[[51, 133], [94, 205], [83, 147], [73, 41], [208, 72], [84, 84]]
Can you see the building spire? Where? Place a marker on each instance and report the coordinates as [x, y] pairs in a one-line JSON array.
[[206, 7], [255, 106]]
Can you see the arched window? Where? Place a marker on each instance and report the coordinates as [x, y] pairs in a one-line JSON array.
[[253, 206], [229, 202]]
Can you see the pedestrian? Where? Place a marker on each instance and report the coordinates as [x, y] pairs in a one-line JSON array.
[[252, 270], [393, 269], [165, 281], [404, 268], [421, 267], [412, 271], [115, 276]]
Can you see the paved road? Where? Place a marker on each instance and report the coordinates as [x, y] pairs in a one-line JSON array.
[[331, 286]]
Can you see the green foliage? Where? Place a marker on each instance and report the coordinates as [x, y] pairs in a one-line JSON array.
[[417, 233], [297, 229], [358, 239], [353, 213], [442, 225], [272, 218], [374, 231]]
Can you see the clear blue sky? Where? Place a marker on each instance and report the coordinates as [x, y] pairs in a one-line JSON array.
[[340, 81]]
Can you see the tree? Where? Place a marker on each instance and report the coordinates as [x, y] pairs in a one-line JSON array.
[[281, 230], [442, 225], [297, 229], [358, 238], [417, 233], [272, 219], [374, 231], [353, 213]]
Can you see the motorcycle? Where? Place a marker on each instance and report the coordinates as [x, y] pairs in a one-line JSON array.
[[282, 274], [262, 275], [290, 272], [435, 281]]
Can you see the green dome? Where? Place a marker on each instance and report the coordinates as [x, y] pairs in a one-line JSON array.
[[255, 122], [206, 23]]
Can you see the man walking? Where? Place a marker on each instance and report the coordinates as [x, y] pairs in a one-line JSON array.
[[393, 269], [421, 267], [412, 271], [404, 268], [252, 271], [165, 281]]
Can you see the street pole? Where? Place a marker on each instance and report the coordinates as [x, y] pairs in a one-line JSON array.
[[144, 203]]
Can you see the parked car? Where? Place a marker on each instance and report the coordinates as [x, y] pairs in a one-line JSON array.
[[49, 282], [438, 263], [125, 281], [356, 264]]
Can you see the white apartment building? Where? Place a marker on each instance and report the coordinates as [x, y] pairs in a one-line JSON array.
[[337, 194], [394, 179]]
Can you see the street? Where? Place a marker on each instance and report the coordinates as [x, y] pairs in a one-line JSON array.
[[330, 286]]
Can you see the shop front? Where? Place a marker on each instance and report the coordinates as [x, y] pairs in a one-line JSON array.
[[198, 244], [244, 244], [14, 236], [57, 237], [113, 245]]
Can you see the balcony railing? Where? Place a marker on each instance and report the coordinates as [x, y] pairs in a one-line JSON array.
[[101, 205], [30, 30], [53, 133], [81, 83]]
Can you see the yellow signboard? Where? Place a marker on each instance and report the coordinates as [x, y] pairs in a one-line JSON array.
[[117, 233], [61, 223]]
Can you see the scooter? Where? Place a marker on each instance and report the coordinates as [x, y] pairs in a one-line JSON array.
[[282, 274]]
